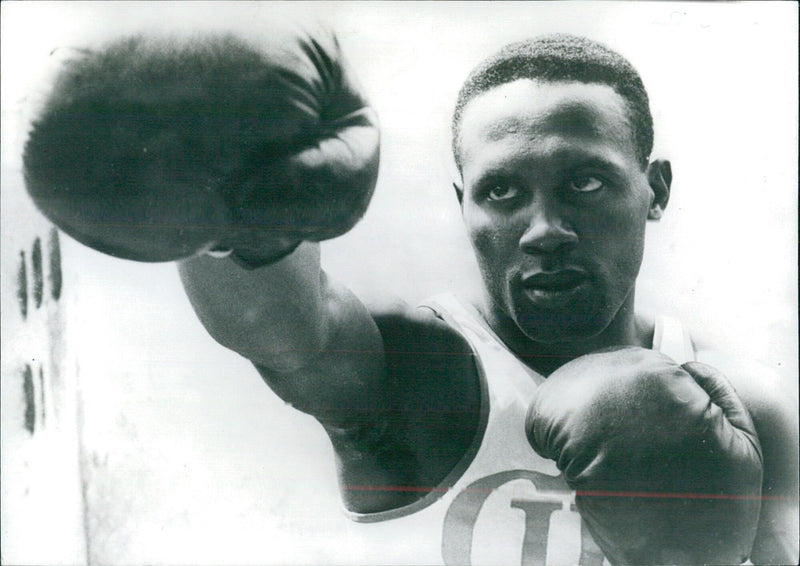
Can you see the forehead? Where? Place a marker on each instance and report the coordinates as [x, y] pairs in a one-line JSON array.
[[528, 113]]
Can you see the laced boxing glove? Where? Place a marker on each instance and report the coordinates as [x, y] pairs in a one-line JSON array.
[[158, 147], [664, 459]]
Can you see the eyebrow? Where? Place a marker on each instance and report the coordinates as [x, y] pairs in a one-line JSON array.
[[585, 159], [559, 160]]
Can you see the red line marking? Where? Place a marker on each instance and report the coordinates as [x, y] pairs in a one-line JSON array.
[[667, 495], [591, 493]]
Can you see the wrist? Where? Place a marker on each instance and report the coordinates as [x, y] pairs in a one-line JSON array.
[[253, 260]]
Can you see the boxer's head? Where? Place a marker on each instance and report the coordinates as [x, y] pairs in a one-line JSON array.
[[552, 138], [561, 58]]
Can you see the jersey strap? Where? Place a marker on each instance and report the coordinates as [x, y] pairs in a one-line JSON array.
[[672, 339]]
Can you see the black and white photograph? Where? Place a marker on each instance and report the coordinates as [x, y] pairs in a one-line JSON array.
[[399, 283]]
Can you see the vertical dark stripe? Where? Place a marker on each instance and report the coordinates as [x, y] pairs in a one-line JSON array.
[[54, 252], [38, 276], [22, 285], [30, 401]]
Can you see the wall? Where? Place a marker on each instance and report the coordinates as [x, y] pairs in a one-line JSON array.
[[43, 516]]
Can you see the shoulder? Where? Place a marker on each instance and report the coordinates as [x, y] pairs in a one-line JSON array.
[[407, 328], [432, 360], [434, 369]]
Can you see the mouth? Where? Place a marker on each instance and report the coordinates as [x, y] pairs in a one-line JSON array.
[[555, 288]]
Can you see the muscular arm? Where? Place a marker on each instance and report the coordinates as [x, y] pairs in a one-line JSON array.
[[319, 349], [294, 324]]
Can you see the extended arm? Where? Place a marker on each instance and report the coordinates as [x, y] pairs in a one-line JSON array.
[[319, 349], [312, 340]]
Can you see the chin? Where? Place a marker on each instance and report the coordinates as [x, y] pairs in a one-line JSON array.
[[567, 322], [560, 326], [558, 335]]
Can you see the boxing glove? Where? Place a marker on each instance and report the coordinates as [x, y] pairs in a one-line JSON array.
[[160, 147], [665, 460]]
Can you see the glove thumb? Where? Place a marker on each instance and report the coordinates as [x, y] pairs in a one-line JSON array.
[[722, 394]]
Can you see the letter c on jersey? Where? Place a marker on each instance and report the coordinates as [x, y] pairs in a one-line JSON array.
[[463, 513]]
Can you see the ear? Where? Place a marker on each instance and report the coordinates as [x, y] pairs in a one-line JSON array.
[[659, 177], [459, 193]]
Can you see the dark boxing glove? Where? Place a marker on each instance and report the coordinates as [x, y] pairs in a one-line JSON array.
[[156, 148], [664, 459]]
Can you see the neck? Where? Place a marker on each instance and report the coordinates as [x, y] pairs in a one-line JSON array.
[[625, 329]]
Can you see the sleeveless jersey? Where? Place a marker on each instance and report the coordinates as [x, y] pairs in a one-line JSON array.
[[503, 503]]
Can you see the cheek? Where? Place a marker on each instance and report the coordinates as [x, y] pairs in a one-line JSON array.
[[490, 245], [615, 238], [492, 240], [484, 240]]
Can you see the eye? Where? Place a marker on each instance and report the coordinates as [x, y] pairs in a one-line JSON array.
[[586, 184], [502, 192]]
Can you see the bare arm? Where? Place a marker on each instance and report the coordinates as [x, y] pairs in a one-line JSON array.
[[313, 341], [319, 349]]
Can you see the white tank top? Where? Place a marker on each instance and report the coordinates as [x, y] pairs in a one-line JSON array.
[[503, 503]]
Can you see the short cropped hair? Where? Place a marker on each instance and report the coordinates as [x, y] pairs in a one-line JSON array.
[[556, 58]]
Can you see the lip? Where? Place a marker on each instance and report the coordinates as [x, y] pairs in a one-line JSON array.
[[553, 289], [561, 279]]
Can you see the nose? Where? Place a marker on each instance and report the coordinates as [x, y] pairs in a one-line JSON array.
[[547, 231]]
